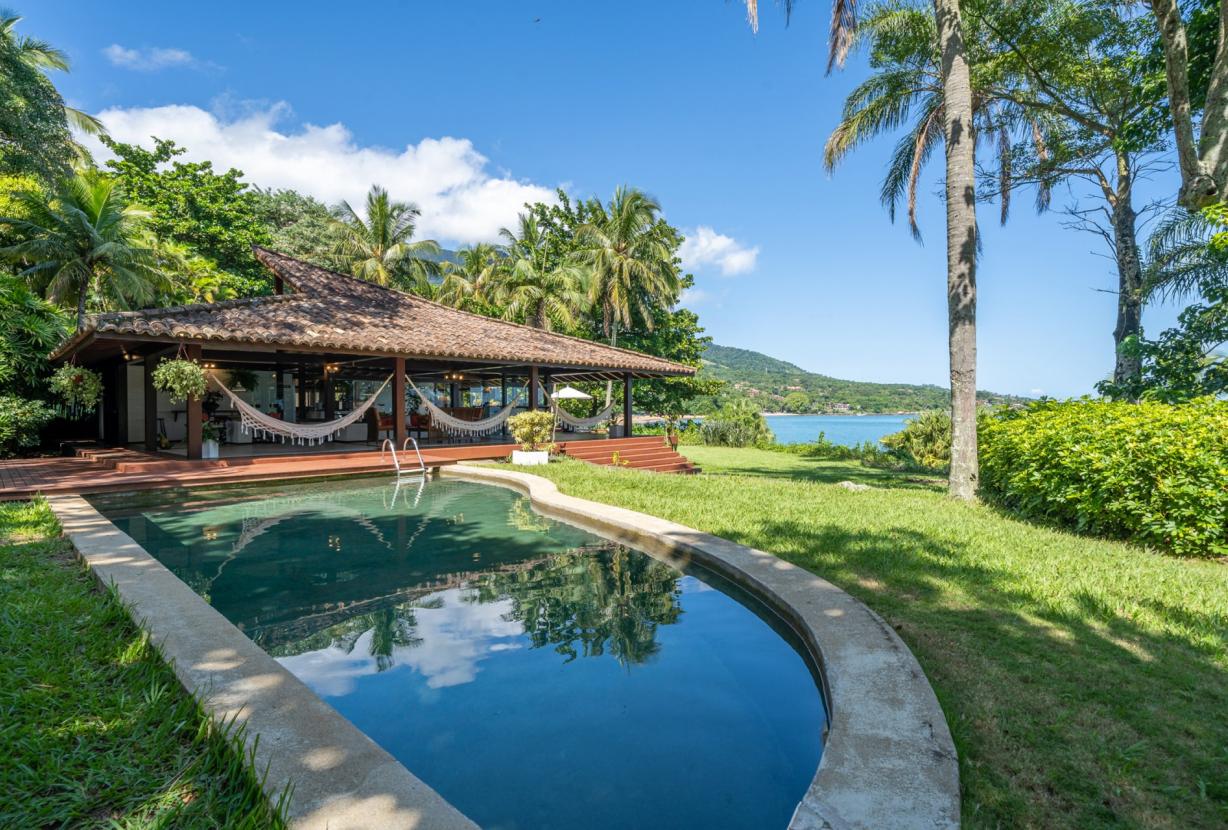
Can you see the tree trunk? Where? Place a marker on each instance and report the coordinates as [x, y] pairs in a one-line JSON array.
[[1204, 166], [961, 248], [609, 384], [85, 288], [1129, 276]]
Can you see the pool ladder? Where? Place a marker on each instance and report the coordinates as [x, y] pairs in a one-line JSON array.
[[388, 446]]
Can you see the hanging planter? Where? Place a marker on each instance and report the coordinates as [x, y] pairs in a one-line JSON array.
[[180, 379], [79, 388]]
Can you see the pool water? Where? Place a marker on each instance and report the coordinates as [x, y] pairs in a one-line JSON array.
[[535, 675]]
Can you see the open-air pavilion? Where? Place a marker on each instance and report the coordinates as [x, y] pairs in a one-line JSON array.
[[323, 347]]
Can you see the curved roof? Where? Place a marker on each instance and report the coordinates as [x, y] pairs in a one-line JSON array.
[[331, 311]]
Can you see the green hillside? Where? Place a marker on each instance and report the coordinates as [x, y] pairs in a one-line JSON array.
[[779, 386]]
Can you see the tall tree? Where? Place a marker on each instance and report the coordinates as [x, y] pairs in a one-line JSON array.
[[34, 121], [960, 145], [629, 261], [87, 245], [533, 287], [298, 225], [467, 279], [1202, 156], [378, 245], [216, 214]]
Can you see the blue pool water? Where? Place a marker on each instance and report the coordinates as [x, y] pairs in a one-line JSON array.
[[537, 676], [849, 430]]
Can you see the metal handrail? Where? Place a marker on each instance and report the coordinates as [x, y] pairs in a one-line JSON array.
[[396, 462]]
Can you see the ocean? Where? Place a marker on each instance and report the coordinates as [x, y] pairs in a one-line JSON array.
[[849, 430]]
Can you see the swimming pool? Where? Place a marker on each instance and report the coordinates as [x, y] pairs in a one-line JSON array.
[[535, 675]]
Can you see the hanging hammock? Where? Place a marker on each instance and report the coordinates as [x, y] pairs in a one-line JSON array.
[[257, 423], [458, 426], [579, 424]]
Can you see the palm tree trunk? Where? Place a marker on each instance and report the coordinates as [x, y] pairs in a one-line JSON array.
[[1129, 276], [81, 294], [961, 248], [609, 384]]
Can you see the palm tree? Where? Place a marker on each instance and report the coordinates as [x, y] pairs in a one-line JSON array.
[[1181, 259], [531, 287], [466, 280], [87, 242], [377, 246], [959, 136], [631, 266]]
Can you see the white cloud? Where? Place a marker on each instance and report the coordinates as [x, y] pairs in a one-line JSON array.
[[462, 201], [149, 59], [692, 297], [705, 247]]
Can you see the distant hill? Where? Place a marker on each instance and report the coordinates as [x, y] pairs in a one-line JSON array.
[[769, 381]]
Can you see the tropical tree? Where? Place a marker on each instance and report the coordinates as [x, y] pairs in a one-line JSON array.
[[30, 327], [378, 245], [34, 121], [959, 141], [467, 279], [87, 244], [629, 259], [1192, 85], [533, 288]]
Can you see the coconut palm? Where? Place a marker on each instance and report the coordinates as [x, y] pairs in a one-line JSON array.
[[956, 120], [1181, 261], [467, 279], [631, 265], [377, 246], [86, 244], [530, 286]]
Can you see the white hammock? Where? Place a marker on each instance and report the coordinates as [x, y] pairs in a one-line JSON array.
[[458, 426], [582, 424], [255, 422]]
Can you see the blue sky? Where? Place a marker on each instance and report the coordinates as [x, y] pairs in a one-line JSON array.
[[471, 108]]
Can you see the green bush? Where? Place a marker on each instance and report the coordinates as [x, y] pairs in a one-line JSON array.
[[20, 422], [1152, 472], [924, 442], [737, 424], [533, 430]]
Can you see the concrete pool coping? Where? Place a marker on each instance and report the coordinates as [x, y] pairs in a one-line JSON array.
[[888, 760]]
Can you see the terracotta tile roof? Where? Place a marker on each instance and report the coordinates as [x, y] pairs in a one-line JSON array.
[[332, 311]]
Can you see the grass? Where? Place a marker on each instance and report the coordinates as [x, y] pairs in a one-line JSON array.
[[96, 730], [1085, 681]]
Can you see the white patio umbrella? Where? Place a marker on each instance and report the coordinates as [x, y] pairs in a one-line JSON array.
[[570, 393]]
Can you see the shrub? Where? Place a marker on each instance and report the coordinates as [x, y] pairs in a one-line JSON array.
[[737, 424], [20, 422], [532, 430], [924, 442], [1152, 472]]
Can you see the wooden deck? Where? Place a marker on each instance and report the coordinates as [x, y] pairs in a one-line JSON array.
[[116, 469]]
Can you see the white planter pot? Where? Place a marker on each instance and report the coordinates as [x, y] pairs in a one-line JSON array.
[[208, 449], [530, 459]]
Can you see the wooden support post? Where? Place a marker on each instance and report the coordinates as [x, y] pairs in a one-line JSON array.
[[194, 415], [399, 431], [627, 405], [503, 398], [301, 404], [330, 399], [151, 404], [454, 395], [532, 388]]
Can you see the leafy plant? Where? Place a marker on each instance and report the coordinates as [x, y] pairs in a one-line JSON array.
[[211, 431], [1152, 472], [78, 387], [180, 379], [738, 424], [924, 441], [533, 430], [20, 422]]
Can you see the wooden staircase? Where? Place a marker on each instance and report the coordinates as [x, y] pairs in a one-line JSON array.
[[649, 452]]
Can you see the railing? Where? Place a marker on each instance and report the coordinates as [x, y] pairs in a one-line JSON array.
[[396, 462]]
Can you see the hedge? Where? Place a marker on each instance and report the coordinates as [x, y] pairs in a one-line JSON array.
[[1151, 472], [20, 423]]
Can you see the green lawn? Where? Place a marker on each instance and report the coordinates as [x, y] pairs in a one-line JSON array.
[[95, 729], [1085, 681]]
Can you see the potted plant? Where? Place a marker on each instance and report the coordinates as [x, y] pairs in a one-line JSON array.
[[534, 431], [210, 435], [180, 379], [78, 387]]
